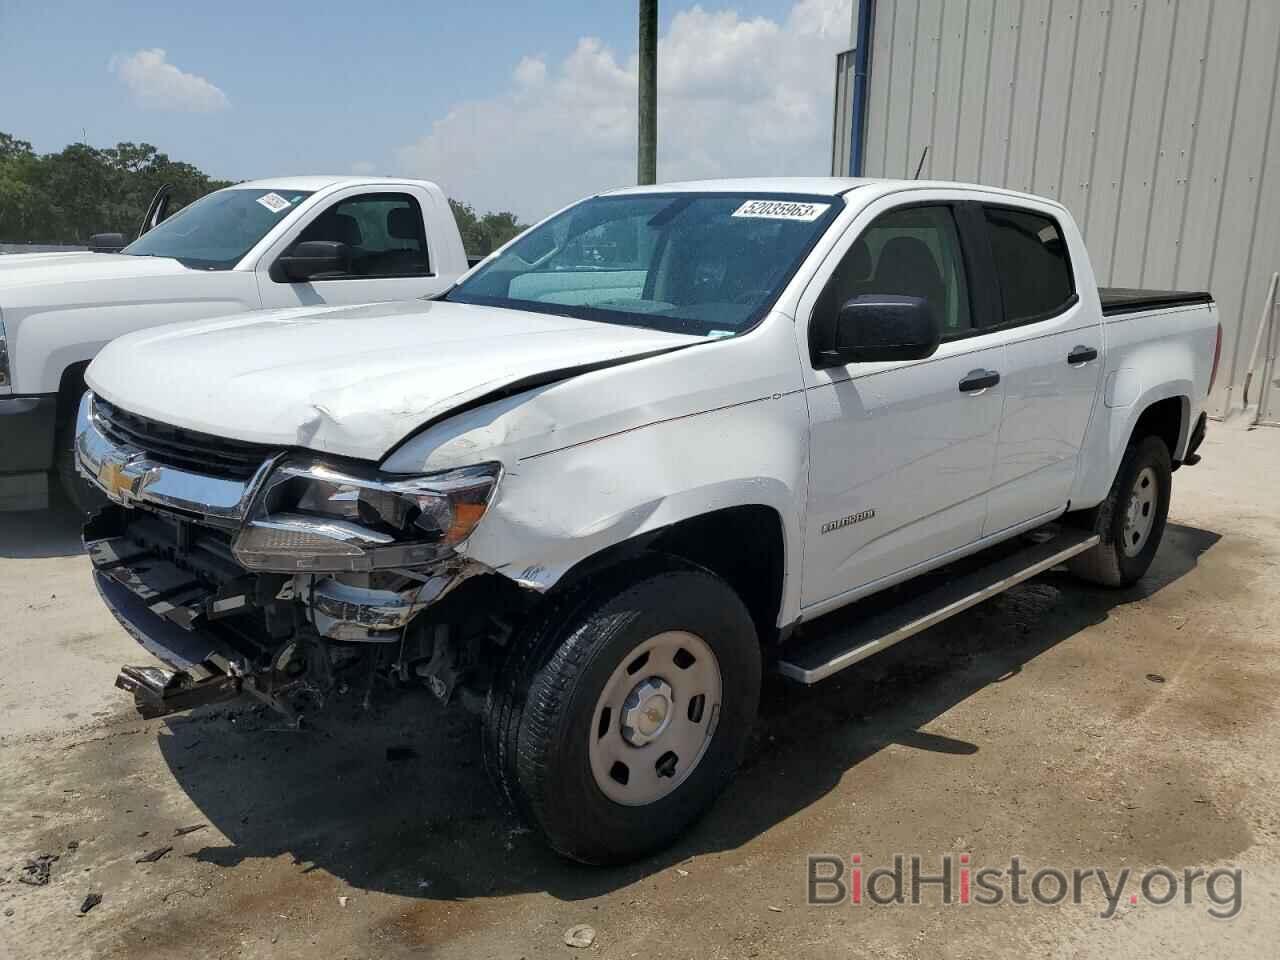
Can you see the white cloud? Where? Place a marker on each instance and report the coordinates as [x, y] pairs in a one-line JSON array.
[[736, 97], [159, 85]]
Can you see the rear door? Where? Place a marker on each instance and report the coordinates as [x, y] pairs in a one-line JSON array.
[[391, 255], [1053, 344], [901, 453]]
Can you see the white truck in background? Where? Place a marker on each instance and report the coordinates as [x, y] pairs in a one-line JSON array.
[[630, 462], [301, 242]]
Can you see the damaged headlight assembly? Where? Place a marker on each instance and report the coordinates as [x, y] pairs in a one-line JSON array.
[[310, 517]]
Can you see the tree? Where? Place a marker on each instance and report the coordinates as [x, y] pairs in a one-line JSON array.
[[68, 196], [483, 235], [17, 197]]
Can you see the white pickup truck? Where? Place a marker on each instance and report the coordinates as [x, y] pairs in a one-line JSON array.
[[628, 463], [298, 242]]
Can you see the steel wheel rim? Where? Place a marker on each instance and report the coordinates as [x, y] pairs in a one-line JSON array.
[[662, 701], [1140, 512]]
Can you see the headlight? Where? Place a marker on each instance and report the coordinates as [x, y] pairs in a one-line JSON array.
[[311, 517]]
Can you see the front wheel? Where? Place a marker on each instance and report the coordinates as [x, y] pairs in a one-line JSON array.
[[625, 714], [1131, 520]]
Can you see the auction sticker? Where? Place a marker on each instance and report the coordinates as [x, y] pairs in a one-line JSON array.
[[274, 202], [782, 210]]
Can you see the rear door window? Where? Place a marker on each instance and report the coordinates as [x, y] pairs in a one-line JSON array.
[[1032, 264]]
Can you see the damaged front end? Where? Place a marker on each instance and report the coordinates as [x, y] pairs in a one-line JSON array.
[[247, 570]]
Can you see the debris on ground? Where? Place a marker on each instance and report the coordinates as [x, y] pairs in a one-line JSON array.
[[775, 909], [683, 873], [154, 855], [73, 845], [183, 831], [343, 901], [35, 872], [91, 901], [580, 935], [401, 754]]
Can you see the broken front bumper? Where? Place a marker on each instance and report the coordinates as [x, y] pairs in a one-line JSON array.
[[161, 605], [163, 564]]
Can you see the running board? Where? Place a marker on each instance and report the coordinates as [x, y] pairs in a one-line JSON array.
[[846, 646]]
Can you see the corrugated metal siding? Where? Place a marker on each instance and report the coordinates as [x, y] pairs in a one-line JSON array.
[[1154, 121]]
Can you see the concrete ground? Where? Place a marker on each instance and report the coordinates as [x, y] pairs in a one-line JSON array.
[[1070, 726]]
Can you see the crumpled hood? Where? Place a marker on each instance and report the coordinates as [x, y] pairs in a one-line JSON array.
[[36, 269], [350, 381]]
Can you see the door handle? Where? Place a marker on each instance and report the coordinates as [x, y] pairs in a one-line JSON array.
[[975, 381], [1081, 355]]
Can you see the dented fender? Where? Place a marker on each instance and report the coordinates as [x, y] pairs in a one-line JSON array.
[[616, 453]]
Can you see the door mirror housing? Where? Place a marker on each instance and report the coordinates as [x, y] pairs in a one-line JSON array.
[[877, 327], [311, 260], [107, 242]]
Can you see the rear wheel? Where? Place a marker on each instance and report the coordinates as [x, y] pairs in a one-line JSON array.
[[620, 718], [1132, 519]]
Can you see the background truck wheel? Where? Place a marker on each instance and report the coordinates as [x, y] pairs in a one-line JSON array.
[[1132, 518], [83, 496], [620, 718]]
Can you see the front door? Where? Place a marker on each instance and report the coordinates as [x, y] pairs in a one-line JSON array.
[[901, 453], [389, 254]]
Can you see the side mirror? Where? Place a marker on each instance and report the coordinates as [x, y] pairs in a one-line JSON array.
[[310, 260], [878, 327], [107, 242]]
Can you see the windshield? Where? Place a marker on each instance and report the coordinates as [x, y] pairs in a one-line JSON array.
[[216, 231], [702, 263]]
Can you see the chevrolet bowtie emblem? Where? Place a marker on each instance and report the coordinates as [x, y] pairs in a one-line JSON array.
[[122, 480]]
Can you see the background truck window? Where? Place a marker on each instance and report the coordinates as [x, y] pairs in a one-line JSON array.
[[384, 232]]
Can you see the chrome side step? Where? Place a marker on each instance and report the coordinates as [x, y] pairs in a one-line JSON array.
[[844, 647]]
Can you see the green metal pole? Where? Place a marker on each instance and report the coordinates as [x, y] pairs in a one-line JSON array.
[[647, 155]]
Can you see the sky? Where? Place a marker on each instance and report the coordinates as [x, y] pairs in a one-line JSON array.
[[507, 105]]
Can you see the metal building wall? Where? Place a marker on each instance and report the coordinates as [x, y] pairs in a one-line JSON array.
[[1154, 121]]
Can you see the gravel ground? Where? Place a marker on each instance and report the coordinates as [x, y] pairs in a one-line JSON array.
[[1072, 727]]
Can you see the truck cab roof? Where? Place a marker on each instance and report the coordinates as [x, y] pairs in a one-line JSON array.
[[819, 186], [320, 182]]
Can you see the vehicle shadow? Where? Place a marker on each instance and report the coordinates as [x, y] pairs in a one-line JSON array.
[[54, 532], [398, 802]]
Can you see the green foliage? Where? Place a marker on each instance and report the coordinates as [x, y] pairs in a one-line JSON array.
[[67, 196], [482, 235]]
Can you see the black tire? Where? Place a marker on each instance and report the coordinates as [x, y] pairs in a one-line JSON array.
[[539, 715], [1108, 563], [83, 496]]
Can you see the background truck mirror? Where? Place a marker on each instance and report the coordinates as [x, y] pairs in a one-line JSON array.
[[106, 242], [311, 260]]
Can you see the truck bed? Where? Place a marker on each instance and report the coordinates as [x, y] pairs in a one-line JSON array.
[[1118, 300]]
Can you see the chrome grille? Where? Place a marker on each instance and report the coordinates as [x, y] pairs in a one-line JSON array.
[[180, 447]]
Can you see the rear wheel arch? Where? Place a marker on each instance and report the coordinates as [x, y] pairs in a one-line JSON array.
[[1169, 420]]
